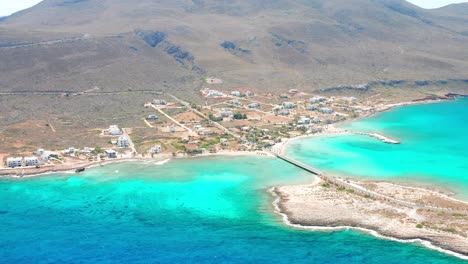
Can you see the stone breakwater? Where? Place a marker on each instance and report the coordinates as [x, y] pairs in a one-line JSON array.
[[380, 137]]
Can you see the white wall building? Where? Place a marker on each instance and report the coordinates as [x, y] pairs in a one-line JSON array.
[[159, 102], [254, 105], [311, 107], [303, 120], [110, 153], [114, 130], [288, 105], [156, 149], [31, 161], [325, 110], [14, 162], [316, 99], [123, 142]]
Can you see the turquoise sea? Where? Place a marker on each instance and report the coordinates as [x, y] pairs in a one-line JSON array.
[[201, 210], [434, 149]]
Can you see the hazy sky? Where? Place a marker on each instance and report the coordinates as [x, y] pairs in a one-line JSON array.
[[8, 7]]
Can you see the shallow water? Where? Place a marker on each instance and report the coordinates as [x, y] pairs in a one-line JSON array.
[[434, 149], [210, 210]]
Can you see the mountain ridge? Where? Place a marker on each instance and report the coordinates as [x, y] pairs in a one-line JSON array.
[[264, 44]]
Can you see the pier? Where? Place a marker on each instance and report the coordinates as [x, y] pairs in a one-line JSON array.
[[360, 189], [380, 137]]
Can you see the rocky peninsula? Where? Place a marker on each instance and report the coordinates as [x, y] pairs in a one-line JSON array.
[[323, 205]]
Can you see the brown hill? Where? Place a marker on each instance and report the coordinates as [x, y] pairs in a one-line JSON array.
[[269, 44]]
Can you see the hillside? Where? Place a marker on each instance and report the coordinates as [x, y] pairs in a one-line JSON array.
[[78, 66], [264, 44]]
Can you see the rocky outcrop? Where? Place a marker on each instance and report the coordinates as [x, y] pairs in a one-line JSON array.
[[158, 39], [235, 50]]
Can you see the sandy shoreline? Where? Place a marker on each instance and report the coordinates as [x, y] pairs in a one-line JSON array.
[[71, 167], [317, 207]]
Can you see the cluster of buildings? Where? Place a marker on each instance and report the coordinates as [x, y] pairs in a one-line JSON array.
[[14, 162]]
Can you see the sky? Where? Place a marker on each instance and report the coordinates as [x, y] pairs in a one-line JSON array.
[[8, 7]]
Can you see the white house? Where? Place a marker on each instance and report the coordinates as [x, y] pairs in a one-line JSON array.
[[325, 110], [159, 102], [48, 154], [236, 93], [226, 113], [254, 105], [14, 162], [152, 117], [110, 153], [311, 107], [31, 161], [40, 152], [317, 119], [123, 142], [288, 105], [70, 151], [316, 99], [303, 120], [293, 91], [114, 130], [156, 149], [224, 142], [283, 112]]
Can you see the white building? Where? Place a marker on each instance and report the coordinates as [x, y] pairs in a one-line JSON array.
[[283, 112], [316, 99], [48, 154], [224, 142], [288, 105], [31, 161], [236, 93], [159, 102], [226, 113], [304, 120], [152, 117], [155, 150], [123, 142], [311, 107], [70, 151], [254, 105], [293, 91], [110, 153], [325, 110], [14, 162], [114, 130]]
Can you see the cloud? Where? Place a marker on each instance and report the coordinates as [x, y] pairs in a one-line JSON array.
[[434, 3], [8, 7]]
